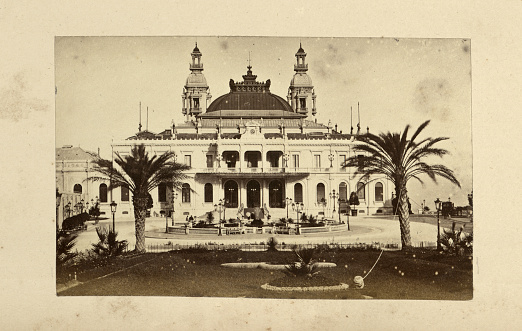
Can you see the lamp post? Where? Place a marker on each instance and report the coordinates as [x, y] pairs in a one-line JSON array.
[[166, 218], [174, 197], [288, 201], [334, 196], [113, 211], [437, 206], [339, 208], [58, 201], [348, 216], [298, 207]]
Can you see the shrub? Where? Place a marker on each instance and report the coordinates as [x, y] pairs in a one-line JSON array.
[[108, 245], [210, 217], [257, 223], [456, 242], [95, 211], [75, 222], [64, 245], [305, 266], [272, 244], [203, 224], [312, 220]]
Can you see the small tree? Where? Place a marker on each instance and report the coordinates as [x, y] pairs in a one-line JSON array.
[[108, 245], [210, 217], [272, 244]]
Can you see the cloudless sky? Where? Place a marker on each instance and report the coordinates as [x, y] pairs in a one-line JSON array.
[[100, 82]]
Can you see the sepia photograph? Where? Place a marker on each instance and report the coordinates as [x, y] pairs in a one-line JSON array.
[[294, 165], [264, 167]]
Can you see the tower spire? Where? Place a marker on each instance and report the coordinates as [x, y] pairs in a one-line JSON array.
[[196, 94], [301, 92]]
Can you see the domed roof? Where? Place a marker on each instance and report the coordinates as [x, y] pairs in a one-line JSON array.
[[262, 102], [250, 95], [301, 79], [196, 79]]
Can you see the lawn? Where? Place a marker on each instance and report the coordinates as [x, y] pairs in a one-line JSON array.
[[427, 275]]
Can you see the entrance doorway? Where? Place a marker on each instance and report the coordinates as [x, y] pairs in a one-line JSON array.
[[253, 194], [231, 194], [275, 194]]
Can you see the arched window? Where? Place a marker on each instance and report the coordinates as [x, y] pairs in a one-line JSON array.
[[162, 192], [77, 188], [103, 192], [343, 192], [124, 193], [185, 193], [298, 192], [209, 194], [361, 191], [320, 193], [379, 192]]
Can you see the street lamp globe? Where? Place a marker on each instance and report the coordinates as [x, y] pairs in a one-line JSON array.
[[113, 211], [113, 207]]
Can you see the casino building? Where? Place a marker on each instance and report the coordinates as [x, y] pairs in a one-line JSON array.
[[253, 149]]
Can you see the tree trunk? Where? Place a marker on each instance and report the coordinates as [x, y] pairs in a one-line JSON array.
[[404, 216], [140, 211]]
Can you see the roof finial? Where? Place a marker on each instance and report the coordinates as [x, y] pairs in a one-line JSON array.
[[249, 66]]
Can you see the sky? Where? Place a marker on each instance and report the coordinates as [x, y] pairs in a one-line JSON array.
[[100, 82]]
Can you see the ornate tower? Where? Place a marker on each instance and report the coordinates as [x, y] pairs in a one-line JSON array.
[[301, 93], [196, 94]]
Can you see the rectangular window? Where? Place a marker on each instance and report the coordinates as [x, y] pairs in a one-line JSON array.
[[295, 159], [196, 103], [302, 103], [124, 193], [342, 160], [360, 161], [317, 161], [210, 161], [188, 160], [162, 192]]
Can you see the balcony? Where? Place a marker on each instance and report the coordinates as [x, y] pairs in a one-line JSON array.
[[264, 172]]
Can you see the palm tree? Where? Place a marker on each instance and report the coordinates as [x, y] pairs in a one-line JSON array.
[[400, 159], [141, 174]]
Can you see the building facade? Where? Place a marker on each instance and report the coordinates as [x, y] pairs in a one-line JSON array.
[[74, 181], [253, 149]]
